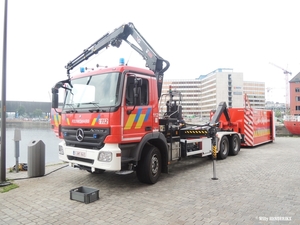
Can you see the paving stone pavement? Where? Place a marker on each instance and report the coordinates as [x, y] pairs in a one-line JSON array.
[[258, 186]]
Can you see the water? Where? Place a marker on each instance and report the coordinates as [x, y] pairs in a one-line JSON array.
[[27, 136]]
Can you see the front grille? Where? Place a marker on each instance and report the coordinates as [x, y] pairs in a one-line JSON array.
[[92, 138]]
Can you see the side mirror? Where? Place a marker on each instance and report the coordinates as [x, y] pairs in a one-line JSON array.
[[138, 82], [55, 89], [54, 98], [136, 93], [137, 90]]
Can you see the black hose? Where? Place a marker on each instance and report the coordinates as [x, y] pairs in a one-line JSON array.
[[24, 178]]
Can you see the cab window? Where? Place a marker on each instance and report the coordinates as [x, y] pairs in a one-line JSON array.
[[142, 91]]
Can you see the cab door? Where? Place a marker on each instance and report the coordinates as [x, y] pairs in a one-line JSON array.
[[137, 114]]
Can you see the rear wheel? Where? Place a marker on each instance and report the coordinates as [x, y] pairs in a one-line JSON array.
[[224, 148], [234, 145], [149, 167]]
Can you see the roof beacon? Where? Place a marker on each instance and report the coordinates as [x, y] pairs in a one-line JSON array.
[[121, 62]]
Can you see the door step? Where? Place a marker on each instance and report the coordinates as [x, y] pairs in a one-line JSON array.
[[124, 172]]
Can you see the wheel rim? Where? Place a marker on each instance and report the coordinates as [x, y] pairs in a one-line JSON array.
[[234, 145], [224, 147], [154, 164]]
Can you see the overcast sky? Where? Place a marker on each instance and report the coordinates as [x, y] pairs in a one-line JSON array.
[[196, 37]]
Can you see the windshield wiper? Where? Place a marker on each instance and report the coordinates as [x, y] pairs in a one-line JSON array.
[[73, 109], [95, 104]]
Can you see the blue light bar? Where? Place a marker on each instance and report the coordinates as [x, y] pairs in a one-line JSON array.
[[82, 70], [121, 61]]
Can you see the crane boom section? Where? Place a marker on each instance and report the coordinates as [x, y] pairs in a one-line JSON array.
[[153, 61], [222, 108], [284, 71]]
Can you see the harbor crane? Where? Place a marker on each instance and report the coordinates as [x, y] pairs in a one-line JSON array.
[[286, 73]]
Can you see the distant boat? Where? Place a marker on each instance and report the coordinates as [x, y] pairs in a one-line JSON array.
[[292, 124]]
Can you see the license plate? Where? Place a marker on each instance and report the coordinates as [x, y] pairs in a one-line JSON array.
[[81, 154]]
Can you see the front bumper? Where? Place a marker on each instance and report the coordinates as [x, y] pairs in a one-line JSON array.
[[90, 157]]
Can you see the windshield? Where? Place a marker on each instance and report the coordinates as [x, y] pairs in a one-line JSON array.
[[95, 91]]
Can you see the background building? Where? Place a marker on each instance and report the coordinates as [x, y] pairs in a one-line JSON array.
[[201, 95], [18, 109], [256, 93], [295, 95], [191, 93]]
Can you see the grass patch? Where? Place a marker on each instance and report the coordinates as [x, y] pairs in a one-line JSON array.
[[8, 187]]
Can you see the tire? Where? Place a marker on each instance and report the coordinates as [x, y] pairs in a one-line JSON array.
[[149, 167], [234, 145], [224, 148]]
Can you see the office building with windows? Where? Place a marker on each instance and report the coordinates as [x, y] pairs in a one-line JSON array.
[[256, 93], [203, 94]]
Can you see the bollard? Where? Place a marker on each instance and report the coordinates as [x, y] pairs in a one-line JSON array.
[[214, 156], [36, 158], [17, 139]]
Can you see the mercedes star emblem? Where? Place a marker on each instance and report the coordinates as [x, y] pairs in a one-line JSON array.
[[79, 134]]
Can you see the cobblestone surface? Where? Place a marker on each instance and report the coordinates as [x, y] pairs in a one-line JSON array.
[[258, 186]]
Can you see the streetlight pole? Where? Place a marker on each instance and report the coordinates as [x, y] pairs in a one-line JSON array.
[[3, 181]]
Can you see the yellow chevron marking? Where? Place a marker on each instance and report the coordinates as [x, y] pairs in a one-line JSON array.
[[129, 122], [140, 121], [56, 118]]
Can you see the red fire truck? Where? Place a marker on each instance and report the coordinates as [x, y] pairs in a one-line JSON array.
[[110, 118]]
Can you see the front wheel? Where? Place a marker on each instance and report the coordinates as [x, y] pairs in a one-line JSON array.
[[224, 148], [149, 167]]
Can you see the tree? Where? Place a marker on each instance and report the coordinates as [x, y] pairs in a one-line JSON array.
[[21, 110], [278, 113], [37, 113]]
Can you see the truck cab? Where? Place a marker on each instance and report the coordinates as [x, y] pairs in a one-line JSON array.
[[105, 113]]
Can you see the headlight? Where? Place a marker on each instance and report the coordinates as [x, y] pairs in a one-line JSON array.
[[105, 156], [60, 150]]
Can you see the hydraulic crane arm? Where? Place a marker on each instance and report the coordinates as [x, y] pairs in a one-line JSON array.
[[153, 61], [222, 108]]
